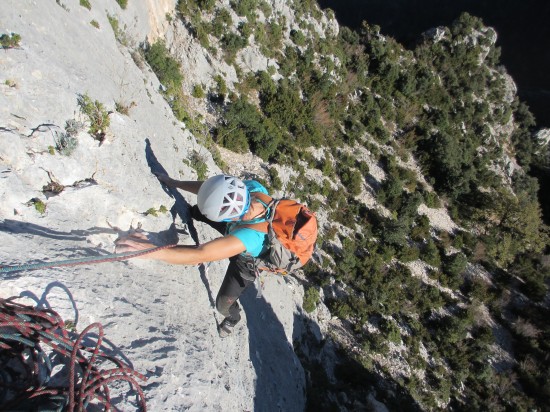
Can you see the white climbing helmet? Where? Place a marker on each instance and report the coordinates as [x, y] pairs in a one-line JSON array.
[[223, 198]]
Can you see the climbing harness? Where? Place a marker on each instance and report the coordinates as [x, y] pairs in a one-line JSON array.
[[113, 257], [26, 381]]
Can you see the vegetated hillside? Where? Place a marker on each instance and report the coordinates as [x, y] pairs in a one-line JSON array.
[[434, 275], [382, 140]]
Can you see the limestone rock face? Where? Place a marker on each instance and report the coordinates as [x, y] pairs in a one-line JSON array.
[[161, 317], [157, 11]]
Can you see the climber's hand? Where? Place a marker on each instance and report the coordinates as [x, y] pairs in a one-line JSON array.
[[164, 178], [135, 242]]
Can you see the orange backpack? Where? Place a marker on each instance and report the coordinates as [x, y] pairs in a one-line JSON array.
[[292, 232]]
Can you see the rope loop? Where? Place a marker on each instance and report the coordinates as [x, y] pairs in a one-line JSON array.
[[26, 367]]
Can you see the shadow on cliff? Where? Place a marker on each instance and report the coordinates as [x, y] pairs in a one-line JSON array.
[[179, 209], [280, 383], [336, 381], [14, 227], [17, 227]]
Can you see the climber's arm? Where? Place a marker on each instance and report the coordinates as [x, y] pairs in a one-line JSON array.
[[217, 249], [191, 186]]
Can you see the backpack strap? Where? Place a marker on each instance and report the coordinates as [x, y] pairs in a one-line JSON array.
[[264, 199], [267, 201], [259, 227]]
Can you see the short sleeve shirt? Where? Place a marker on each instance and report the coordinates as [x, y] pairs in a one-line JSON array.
[[255, 242]]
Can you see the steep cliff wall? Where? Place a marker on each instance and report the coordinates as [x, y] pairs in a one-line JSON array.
[[158, 315]]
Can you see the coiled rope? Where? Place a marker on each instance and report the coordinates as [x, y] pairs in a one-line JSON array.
[[114, 257], [25, 368]]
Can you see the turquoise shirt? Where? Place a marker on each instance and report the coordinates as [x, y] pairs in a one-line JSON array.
[[255, 242]]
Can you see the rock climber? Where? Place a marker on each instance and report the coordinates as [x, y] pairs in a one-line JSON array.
[[227, 204]]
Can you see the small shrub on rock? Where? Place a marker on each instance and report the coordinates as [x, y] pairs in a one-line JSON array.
[[311, 299], [122, 3], [10, 41], [99, 117], [86, 3]]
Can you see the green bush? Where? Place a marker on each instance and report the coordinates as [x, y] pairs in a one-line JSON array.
[[421, 230], [155, 212], [122, 3], [244, 7], [298, 37], [232, 43], [408, 254], [276, 182], [352, 181], [165, 67], [391, 193], [455, 264], [245, 127], [270, 37], [220, 91], [198, 91], [206, 5], [98, 116], [265, 8], [430, 254], [394, 233], [432, 200], [198, 162], [38, 204], [86, 3], [378, 343], [245, 29], [10, 41], [391, 330], [311, 299], [220, 23], [327, 167]]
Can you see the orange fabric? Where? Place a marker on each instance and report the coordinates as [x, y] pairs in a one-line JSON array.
[[284, 223], [302, 241]]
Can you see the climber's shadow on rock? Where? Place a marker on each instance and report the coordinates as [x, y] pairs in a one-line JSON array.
[[15, 228], [18, 227], [280, 383], [180, 208]]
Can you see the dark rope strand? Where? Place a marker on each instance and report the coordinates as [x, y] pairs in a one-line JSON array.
[[31, 327]]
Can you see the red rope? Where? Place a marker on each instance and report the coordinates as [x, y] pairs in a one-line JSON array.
[[87, 383]]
